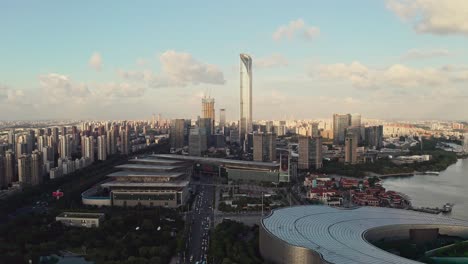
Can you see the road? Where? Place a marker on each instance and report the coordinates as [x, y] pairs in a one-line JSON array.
[[200, 221]]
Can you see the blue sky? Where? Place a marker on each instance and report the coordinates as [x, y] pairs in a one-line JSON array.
[[155, 56]]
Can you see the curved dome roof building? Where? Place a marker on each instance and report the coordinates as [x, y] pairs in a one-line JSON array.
[[321, 234]]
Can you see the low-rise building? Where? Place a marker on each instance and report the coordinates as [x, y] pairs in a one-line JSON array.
[[78, 219]]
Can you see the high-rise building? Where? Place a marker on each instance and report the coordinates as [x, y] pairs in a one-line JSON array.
[[356, 120], [177, 133], [111, 141], [208, 110], [310, 153], [9, 167], [197, 141], [102, 147], [340, 124], [55, 137], [206, 124], [24, 169], [374, 136], [264, 147], [48, 154], [245, 117], [88, 148], [222, 118], [351, 143], [64, 147], [41, 142], [313, 130], [125, 141], [63, 130], [11, 137], [48, 131], [37, 169], [234, 136], [21, 148]]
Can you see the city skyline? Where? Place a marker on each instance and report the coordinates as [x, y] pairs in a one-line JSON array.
[[113, 66]]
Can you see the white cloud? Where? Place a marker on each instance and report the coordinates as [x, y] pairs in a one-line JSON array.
[[441, 17], [358, 74], [95, 61], [274, 60], [416, 54], [58, 88], [294, 28], [178, 69]]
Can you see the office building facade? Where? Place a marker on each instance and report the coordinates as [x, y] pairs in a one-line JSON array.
[[197, 141], [177, 133], [351, 143], [264, 147], [310, 153], [374, 136], [102, 147], [340, 124]]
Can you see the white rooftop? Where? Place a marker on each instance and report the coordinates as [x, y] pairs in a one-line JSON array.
[[145, 174], [171, 184], [338, 234]]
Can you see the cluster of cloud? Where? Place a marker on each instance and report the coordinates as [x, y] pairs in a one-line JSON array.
[[178, 69], [394, 76], [296, 28], [95, 61], [274, 60], [441, 17]]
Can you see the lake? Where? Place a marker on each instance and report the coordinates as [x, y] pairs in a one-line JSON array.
[[450, 186]]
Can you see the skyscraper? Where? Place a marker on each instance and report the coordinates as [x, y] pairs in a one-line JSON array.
[[351, 143], [310, 153], [222, 118], [102, 147], [245, 117], [340, 124], [264, 147], [177, 133], [208, 110]]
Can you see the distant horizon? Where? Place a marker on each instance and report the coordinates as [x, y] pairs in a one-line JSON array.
[[405, 60]]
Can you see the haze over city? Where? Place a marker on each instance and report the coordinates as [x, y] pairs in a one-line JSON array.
[[385, 59]]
